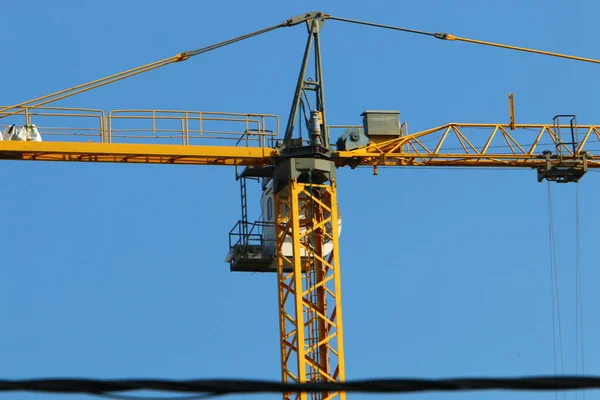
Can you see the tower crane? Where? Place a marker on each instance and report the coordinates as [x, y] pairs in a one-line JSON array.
[[298, 237]]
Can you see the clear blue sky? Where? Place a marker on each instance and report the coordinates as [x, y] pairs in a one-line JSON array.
[[117, 270]]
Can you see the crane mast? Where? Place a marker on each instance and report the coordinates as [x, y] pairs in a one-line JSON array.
[[306, 234], [298, 238], [310, 306]]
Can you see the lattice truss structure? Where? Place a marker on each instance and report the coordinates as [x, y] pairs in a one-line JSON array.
[[487, 145], [306, 229], [309, 286]]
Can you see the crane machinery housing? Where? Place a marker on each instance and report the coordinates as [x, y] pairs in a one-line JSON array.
[[297, 238]]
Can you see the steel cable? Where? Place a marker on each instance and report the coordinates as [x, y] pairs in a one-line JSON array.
[[556, 320], [578, 290], [62, 94], [448, 36], [396, 28]]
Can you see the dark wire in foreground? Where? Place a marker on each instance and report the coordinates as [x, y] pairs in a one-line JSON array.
[[213, 387]]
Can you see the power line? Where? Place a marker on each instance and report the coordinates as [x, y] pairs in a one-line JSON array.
[[125, 397], [217, 387]]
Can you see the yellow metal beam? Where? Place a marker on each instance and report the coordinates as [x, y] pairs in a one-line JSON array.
[[451, 145], [479, 145], [136, 153], [310, 304]]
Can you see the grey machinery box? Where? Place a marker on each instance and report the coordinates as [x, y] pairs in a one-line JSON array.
[[381, 124]]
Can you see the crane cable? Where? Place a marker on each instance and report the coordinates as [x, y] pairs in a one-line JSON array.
[[556, 320], [578, 291], [40, 101], [579, 336], [449, 36]]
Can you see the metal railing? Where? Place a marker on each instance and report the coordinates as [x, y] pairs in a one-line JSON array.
[[189, 127], [181, 127], [55, 124], [251, 234]]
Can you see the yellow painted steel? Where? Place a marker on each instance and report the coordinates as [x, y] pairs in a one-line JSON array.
[[477, 145], [310, 309], [196, 137], [136, 153], [166, 136], [511, 109], [310, 304], [449, 36], [150, 125]]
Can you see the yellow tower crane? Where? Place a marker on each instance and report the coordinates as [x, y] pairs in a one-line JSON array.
[[298, 236]]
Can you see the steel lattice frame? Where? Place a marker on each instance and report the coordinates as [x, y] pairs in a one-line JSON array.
[[310, 312]]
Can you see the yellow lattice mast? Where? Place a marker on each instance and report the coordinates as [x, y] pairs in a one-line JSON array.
[[298, 241]]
